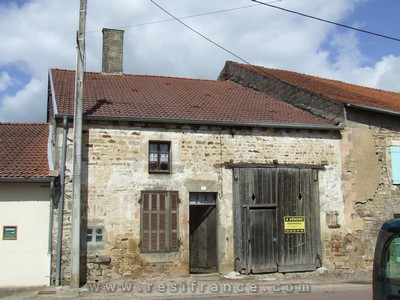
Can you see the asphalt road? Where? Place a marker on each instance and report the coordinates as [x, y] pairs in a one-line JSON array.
[[363, 293], [278, 291]]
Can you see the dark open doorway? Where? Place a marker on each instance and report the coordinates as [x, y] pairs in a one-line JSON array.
[[203, 229]]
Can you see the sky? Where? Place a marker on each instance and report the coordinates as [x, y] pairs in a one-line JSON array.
[[38, 35]]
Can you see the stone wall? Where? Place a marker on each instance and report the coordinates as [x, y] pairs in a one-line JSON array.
[[370, 198], [115, 171]]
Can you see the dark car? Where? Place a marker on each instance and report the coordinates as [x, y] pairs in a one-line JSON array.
[[386, 273]]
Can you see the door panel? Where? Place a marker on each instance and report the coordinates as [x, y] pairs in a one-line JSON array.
[[262, 241], [298, 251], [203, 240]]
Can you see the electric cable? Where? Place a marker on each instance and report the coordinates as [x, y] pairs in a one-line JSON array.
[[327, 21], [198, 33], [188, 17]]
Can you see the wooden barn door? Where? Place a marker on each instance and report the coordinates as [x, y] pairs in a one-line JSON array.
[[257, 212], [261, 240], [263, 198], [298, 197], [203, 238]]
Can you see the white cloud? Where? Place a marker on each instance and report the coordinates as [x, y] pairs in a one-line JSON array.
[[5, 81], [26, 106], [350, 65], [41, 34], [383, 75]]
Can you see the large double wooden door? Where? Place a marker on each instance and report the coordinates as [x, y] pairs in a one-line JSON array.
[[266, 200]]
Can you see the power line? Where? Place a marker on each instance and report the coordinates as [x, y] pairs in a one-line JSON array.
[[203, 36], [211, 41], [188, 17], [326, 21]]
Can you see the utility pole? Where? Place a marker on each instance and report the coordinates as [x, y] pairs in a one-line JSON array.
[[77, 171]]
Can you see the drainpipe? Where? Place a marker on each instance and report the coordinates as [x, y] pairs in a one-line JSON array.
[[61, 201], [50, 245], [50, 157]]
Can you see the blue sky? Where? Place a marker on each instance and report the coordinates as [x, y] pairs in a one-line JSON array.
[[40, 34], [380, 17]]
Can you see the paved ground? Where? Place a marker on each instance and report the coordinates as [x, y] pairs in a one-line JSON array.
[[208, 286]]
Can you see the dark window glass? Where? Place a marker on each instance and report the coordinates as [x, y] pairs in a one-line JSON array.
[[159, 157]]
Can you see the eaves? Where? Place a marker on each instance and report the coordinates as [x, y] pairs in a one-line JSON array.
[[211, 122]]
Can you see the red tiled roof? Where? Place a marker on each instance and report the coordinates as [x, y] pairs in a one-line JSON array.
[[23, 150], [336, 90], [175, 99]]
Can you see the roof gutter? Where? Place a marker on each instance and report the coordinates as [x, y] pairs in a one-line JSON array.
[[53, 94], [374, 109], [214, 123], [26, 180]]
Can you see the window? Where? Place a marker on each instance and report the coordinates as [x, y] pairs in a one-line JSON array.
[[159, 157], [9, 232], [395, 158], [202, 198], [393, 259], [159, 222], [94, 235]]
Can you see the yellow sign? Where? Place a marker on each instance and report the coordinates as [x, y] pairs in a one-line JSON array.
[[294, 224]]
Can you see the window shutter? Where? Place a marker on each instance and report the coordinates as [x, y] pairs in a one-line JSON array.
[[395, 157], [159, 221], [155, 224], [174, 221], [162, 229], [145, 243]]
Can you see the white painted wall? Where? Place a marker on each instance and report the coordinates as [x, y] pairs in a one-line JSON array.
[[25, 261]]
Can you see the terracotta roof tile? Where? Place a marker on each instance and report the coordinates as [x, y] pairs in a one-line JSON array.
[[23, 150], [333, 89], [171, 98]]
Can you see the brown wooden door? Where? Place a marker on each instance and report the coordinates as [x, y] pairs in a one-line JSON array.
[[203, 239], [261, 240], [263, 197], [298, 196]]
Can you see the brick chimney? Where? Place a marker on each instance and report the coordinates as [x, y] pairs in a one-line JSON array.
[[113, 45]]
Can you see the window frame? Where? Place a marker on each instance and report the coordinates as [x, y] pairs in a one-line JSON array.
[[395, 163], [159, 169], [159, 222], [15, 227], [203, 198], [94, 235]]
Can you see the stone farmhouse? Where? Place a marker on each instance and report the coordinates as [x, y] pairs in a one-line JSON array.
[[188, 176], [369, 144], [26, 204], [259, 171]]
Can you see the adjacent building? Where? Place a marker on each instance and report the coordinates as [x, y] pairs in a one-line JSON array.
[[369, 150], [26, 204]]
